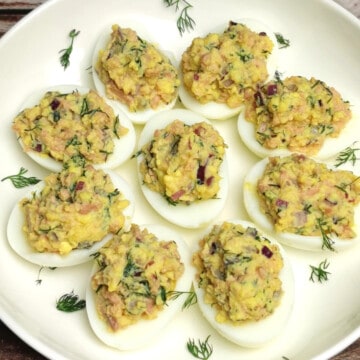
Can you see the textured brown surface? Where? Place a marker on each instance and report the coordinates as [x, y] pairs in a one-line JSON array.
[[13, 348]]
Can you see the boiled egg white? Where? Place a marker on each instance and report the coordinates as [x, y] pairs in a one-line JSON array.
[[19, 244], [257, 333], [124, 146], [331, 146], [198, 213], [145, 331], [141, 116], [312, 243], [213, 110]]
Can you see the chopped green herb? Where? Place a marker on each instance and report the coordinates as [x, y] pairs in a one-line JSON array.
[[284, 43], [320, 272], [20, 181], [201, 350], [184, 21], [70, 303], [65, 57], [244, 57]]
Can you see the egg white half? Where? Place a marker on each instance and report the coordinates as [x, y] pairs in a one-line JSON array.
[[124, 146], [259, 333], [198, 213], [330, 147], [145, 331], [138, 117], [218, 111], [312, 243], [20, 245]]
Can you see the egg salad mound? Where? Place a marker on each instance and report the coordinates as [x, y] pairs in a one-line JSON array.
[[304, 197], [296, 113], [63, 125], [218, 67], [135, 72], [136, 272], [182, 162], [238, 269], [75, 209]]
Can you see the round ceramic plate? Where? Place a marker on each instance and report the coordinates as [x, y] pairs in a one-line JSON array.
[[323, 43]]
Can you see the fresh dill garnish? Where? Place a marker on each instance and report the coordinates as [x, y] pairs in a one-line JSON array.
[[348, 154], [278, 76], [65, 57], [184, 21], [283, 43], [38, 281], [191, 298], [327, 241], [343, 186], [320, 272], [138, 153], [201, 350], [20, 181], [70, 303]]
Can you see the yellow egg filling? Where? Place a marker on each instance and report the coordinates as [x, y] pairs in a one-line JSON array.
[[135, 72], [182, 162], [304, 197], [219, 67], [76, 208], [296, 113], [238, 269], [63, 125], [136, 273]]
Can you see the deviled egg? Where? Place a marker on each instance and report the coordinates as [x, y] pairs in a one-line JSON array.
[[244, 283], [296, 114], [216, 69], [70, 215], [135, 73], [130, 297], [182, 167], [304, 203], [63, 121]]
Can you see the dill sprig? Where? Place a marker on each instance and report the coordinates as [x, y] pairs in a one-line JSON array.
[[343, 186], [327, 241], [184, 21], [70, 303], [191, 298], [283, 43], [20, 181], [38, 281], [201, 350], [348, 154], [320, 272], [65, 57]]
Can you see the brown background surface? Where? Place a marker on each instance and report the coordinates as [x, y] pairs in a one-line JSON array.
[[13, 348]]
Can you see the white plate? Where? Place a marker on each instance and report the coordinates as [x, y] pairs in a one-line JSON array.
[[324, 43]]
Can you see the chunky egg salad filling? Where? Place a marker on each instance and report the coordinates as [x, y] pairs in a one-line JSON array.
[[135, 72], [296, 113], [182, 162], [219, 67], [64, 125], [136, 272], [238, 269], [76, 208], [304, 197]]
